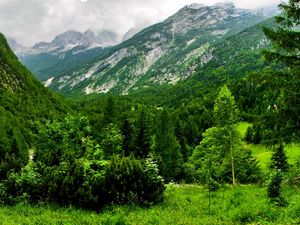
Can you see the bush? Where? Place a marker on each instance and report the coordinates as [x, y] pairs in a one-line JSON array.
[[129, 180]]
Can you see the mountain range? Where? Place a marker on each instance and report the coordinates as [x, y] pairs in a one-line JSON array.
[[184, 44]]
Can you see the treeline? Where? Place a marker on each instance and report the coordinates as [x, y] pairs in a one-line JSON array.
[[123, 153]]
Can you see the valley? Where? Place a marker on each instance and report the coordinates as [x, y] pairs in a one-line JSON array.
[[191, 120]]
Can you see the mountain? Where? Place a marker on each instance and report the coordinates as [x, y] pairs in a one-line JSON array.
[[73, 40], [164, 53], [230, 62], [67, 51]]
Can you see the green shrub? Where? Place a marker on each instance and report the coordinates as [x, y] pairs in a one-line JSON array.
[[129, 180]]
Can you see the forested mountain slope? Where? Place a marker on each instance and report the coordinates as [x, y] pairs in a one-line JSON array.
[[23, 99]]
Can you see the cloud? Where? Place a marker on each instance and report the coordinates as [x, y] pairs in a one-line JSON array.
[[30, 21]]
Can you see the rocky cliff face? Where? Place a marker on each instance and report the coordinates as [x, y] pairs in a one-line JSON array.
[[70, 41]]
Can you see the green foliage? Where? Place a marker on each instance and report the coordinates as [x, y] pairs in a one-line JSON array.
[[111, 141], [285, 38], [129, 180], [246, 168], [64, 141], [127, 133], [167, 147], [284, 118], [293, 177], [249, 134], [225, 109], [275, 189], [142, 141], [279, 160]]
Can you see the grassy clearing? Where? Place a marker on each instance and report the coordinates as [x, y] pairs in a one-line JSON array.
[[263, 154], [184, 204]]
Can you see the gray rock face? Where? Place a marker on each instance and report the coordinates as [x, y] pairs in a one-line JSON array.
[[72, 40]]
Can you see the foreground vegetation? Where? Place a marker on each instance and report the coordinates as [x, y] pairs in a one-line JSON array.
[[184, 204]]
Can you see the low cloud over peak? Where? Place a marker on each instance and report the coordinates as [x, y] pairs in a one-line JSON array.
[[31, 21]]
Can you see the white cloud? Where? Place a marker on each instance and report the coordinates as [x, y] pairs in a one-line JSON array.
[[30, 21]]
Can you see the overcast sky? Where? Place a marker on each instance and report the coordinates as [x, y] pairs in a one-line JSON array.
[[31, 21]]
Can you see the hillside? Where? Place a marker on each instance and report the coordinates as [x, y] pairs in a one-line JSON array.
[[21, 93], [23, 100]]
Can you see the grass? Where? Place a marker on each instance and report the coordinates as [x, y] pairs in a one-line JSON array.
[[263, 154], [184, 204]]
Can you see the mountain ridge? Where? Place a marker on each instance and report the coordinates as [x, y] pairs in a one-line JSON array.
[[164, 53]]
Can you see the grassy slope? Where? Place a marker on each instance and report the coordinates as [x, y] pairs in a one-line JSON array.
[[183, 205], [263, 153]]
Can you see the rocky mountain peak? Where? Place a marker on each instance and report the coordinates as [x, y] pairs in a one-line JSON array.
[[69, 37], [197, 16]]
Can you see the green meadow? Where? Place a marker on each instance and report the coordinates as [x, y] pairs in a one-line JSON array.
[[184, 204]]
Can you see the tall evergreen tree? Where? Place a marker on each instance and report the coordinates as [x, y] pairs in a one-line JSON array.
[[279, 159], [142, 143], [283, 116], [185, 152], [286, 37], [167, 147], [127, 132], [109, 111]]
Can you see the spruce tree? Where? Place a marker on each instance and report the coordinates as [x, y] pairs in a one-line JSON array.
[[109, 111], [279, 159], [126, 130], [286, 37], [167, 147], [142, 143], [283, 119], [182, 140]]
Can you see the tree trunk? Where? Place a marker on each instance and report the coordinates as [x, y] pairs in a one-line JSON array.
[[232, 161]]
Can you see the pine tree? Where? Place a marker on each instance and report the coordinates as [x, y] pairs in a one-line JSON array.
[[274, 189], [167, 147], [109, 111], [182, 140], [279, 159], [286, 37], [142, 143], [127, 132], [284, 118], [249, 135]]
